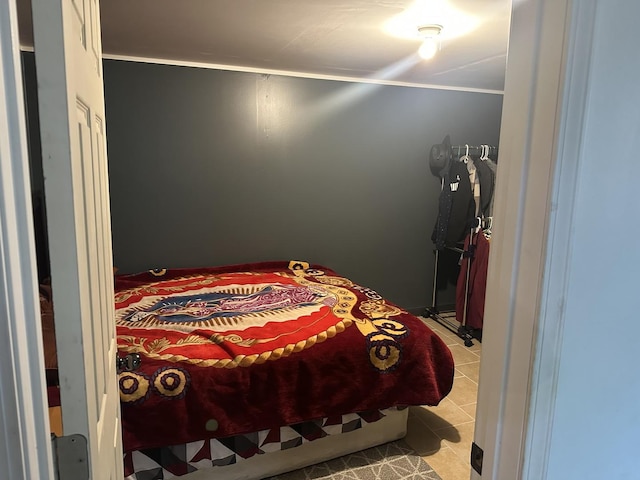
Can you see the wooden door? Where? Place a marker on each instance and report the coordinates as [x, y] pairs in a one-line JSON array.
[[72, 122]]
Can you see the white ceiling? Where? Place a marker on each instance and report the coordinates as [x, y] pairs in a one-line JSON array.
[[362, 39]]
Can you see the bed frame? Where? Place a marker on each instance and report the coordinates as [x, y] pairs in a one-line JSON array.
[[392, 427]]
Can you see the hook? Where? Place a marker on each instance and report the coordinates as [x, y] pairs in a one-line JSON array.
[[466, 154]]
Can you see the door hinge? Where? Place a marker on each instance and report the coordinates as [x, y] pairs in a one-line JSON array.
[[70, 457], [476, 458]]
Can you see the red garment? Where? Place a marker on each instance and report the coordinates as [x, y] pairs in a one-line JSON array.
[[477, 282]]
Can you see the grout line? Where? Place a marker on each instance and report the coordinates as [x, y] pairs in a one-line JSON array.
[[467, 363], [455, 427]]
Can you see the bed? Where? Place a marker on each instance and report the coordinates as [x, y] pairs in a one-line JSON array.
[[252, 370]]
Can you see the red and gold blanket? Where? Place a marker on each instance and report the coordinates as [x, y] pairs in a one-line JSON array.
[[237, 349]]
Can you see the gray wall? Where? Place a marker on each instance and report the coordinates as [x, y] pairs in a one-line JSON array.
[[214, 167]]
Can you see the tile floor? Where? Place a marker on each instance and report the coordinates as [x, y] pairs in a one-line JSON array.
[[442, 435]]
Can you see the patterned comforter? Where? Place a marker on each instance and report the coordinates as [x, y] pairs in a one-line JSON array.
[[240, 349]]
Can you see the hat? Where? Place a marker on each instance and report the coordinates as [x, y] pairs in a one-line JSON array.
[[440, 157]]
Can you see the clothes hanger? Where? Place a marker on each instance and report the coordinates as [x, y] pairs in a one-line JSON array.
[[486, 157], [465, 158]]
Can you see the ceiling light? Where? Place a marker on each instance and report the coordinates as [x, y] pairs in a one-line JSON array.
[[431, 43], [430, 31], [458, 23]]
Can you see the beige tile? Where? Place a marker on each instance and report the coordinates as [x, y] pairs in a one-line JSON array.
[[449, 340], [458, 439], [441, 329], [448, 337], [464, 391], [446, 414], [419, 437], [470, 409], [476, 347], [470, 370], [442, 332], [462, 355], [437, 327], [457, 373], [448, 465], [453, 340]]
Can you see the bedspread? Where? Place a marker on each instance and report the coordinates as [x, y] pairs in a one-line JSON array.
[[237, 349]]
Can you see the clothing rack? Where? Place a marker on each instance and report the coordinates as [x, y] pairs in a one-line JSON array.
[[461, 329]]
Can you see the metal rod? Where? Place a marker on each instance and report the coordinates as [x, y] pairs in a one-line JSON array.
[[474, 150], [435, 270], [478, 147], [435, 282], [454, 327], [466, 281]]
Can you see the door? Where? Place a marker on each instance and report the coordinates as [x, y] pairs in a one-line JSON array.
[[71, 102]]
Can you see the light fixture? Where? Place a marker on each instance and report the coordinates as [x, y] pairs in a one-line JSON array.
[[431, 43]]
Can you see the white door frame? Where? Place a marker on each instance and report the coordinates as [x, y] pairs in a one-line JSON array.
[[25, 447], [544, 103]]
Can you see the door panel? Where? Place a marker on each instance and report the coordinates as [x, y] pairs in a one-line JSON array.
[[73, 130]]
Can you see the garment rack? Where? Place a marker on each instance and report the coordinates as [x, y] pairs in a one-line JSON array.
[[433, 312]]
